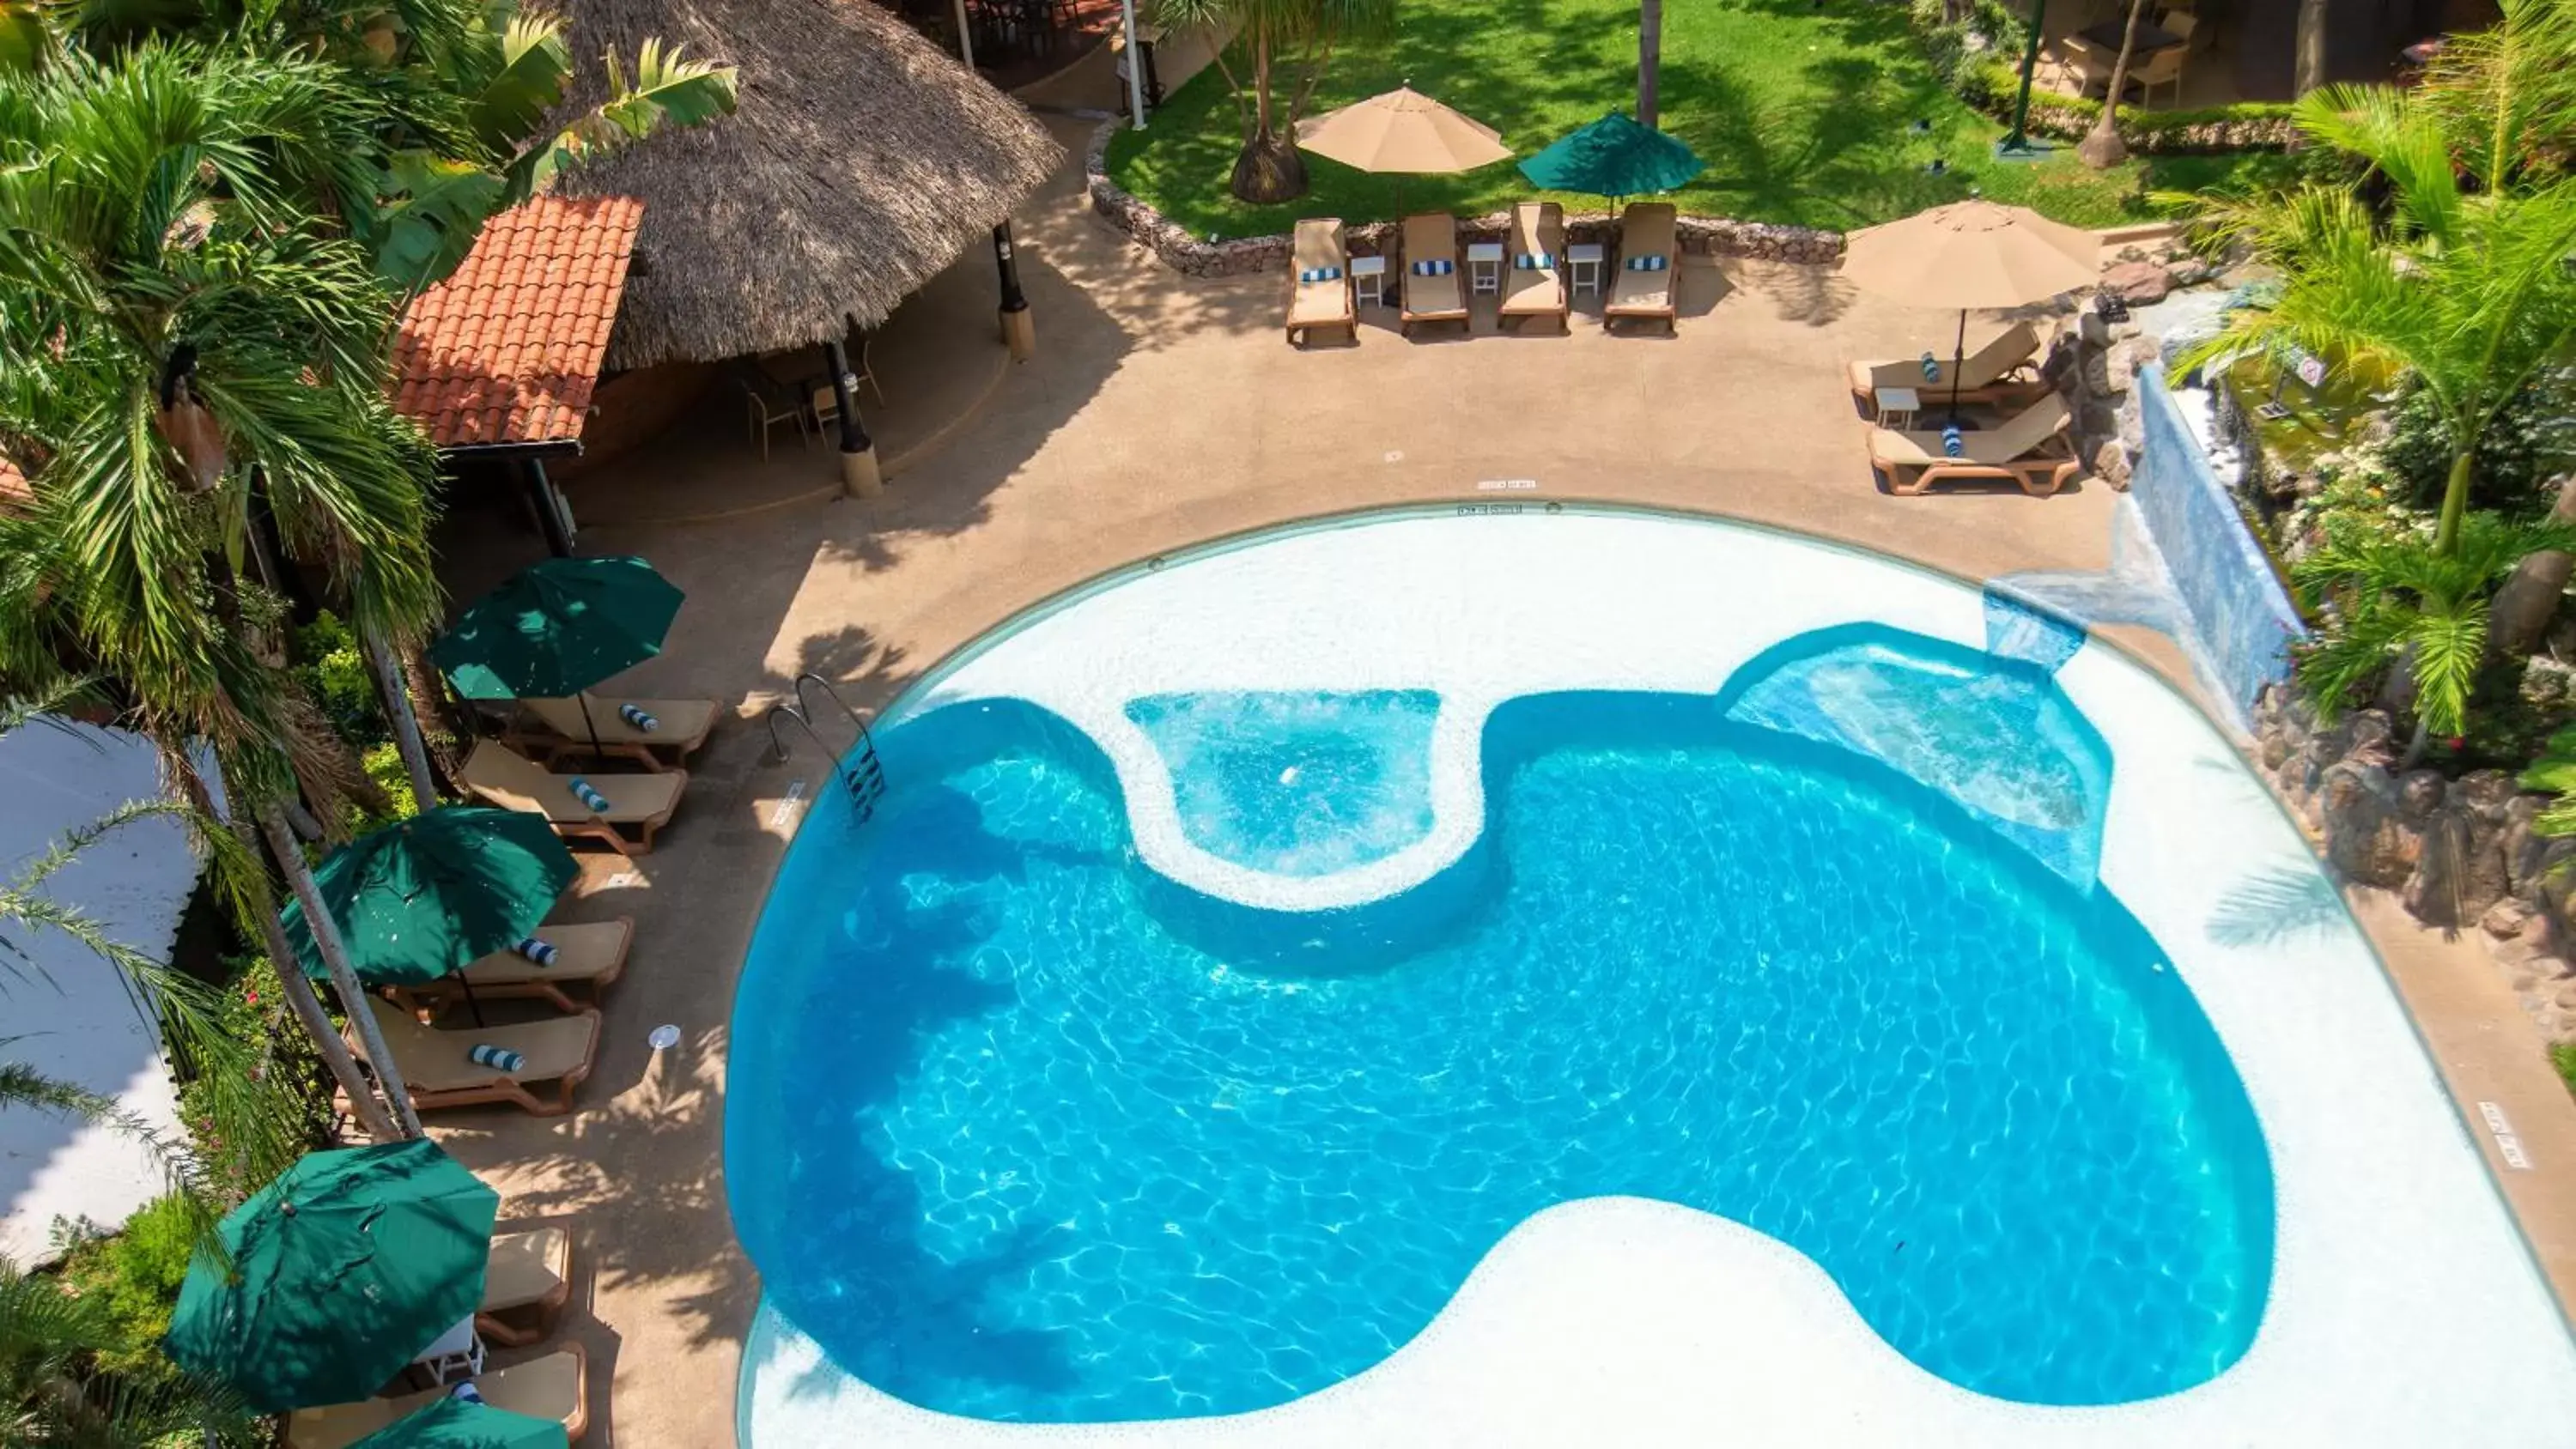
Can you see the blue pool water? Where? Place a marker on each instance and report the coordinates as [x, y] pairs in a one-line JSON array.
[[1018, 1130], [1296, 782]]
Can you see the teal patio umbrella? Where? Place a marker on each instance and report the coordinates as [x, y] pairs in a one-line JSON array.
[[341, 1272], [1613, 156], [422, 897], [557, 628], [453, 1423]]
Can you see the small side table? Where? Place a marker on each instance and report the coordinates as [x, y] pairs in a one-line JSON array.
[[1583, 267], [1485, 268], [1896, 407], [1368, 274], [455, 1354]]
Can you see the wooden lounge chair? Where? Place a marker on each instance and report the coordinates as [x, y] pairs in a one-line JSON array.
[[556, 1387], [546, 730], [440, 1071], [1432, 236], [589, 957], [525, 1279], [1538, 232], [642, 803], [1647, 229], [2003, 372], [1332, 302], [2030, 448]]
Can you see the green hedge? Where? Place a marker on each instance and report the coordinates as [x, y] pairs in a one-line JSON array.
[[1992, 86]]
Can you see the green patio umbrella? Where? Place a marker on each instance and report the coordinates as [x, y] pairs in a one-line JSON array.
[[453, 1423], [1613, 156], [422, 897], [342, 1271], [557, 628]]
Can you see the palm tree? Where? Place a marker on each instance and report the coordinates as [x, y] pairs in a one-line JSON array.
[[188, 334], [2398, 603], [2461, 280], [2102, 147], [50, 1395], [1289, 43], [1650, 58]]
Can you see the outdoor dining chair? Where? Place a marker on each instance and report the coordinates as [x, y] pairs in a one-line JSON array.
[[768, 408]]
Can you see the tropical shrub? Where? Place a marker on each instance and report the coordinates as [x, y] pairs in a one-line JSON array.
[[2530, 442], [1280, 50], [2562, 1055], [133, 1275], [252, 1008], [325, 657]]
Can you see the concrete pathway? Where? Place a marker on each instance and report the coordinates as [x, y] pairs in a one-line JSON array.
[[1159, 412]]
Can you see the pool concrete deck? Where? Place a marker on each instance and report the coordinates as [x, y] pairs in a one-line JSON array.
[[1158, 413]]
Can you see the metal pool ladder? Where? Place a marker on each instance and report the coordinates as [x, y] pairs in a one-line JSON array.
[[864, 778]]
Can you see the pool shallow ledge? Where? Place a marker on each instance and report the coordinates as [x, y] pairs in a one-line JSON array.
[[2403, 1303]]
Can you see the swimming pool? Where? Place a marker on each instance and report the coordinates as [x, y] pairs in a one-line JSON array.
[[1199, 1009]]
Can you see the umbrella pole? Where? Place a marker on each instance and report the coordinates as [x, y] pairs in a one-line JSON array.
[[1958, 362], [472, 1006], [593, 725]]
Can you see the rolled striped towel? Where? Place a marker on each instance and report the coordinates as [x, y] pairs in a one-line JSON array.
[[1931, 368], [1434, 267], [500, 1059], [1953, 442], [467, 1392], [591, 799], [540, 951], [1650, 262], [636, 715], [1320, 274], [1534, 261]]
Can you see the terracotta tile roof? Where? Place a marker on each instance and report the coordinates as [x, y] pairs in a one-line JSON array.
[[507, 349]]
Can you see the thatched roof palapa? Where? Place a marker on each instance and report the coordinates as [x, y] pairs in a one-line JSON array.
[[860, 162]]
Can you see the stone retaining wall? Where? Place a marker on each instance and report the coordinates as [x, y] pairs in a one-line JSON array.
[[2461, 853], [1191, 256]]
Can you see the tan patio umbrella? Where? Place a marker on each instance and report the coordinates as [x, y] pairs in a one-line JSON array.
[[1402, 132], [1971, 255]]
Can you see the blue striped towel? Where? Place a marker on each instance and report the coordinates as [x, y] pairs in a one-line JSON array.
[[1320, 274], [467, 1392], [540, 951], [498, 1058], [638, 716], [1534, 261], [1650, 262], [1931, 368], [1434, 267], [591, 799], [1953, 442]]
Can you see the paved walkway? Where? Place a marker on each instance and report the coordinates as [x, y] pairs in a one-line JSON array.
[[1158, 413]]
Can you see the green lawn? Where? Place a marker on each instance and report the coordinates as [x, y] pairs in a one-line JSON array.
[[1805, 113]]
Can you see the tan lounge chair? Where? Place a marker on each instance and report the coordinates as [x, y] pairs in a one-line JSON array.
[[1647, 229], [556, 1387], [436, 1066], [2031, 449], [1332, 303], [526, 1278], [1428, 237], [1538, 230], [589, 957], [546, 730], [642, 803], [2004, 372]]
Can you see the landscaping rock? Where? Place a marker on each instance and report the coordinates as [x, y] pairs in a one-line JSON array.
[[2366, 835], [2506, 919], [2111, 464], [2188, 271], [2137, 283]]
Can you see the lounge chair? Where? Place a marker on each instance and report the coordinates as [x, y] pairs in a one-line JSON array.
[[556, 1387], [589, 957], [2002, 372], [1645, 293], [441, 1072], [1326, 301], [1440, 297], [1538, 288], [525, 1279], [643, 803], [2030, 448], [546, 730]]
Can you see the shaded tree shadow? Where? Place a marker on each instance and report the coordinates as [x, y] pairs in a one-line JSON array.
[[2276, 903]]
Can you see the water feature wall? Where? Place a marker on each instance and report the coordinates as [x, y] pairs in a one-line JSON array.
[[2240, 621]]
